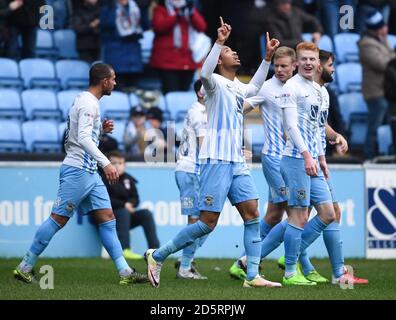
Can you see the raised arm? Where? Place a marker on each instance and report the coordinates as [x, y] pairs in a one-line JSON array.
[[261, 74], [211, 60]]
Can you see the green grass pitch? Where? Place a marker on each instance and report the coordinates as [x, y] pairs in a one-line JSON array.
[[97, 279]]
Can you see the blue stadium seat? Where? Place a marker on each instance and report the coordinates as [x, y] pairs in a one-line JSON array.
[[118, 133], [38, 73], [351, 103], [392, 41], [325, 42], [65, 101], [179, 102], [9, 74], [11, 136], [116, 106], [349, 77], [41, 136], [45, 47], [257, 137], [146, 44], [384, 138], [61, 129], [346, 47], [357, 130], [10, 104], [40, 104], [133, 100], [65, 42], [74, 74]]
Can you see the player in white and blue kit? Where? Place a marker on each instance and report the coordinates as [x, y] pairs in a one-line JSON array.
[[187, 177], [271, 113], [223, 168], [81, 188], [301, 101], [331, 234]]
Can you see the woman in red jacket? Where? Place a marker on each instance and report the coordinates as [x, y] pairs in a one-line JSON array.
[[175, 23]]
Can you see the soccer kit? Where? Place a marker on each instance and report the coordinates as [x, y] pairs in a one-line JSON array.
[[224, 172], [268, 99], [322, 129], [81, 187], [305, 97], [187, 167]]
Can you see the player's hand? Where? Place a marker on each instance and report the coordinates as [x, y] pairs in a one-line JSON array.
[[310, 165], [129, 207], [111, 173], [324, 167], [247, 154], [16, 4], [108, 126], [341, 144], [272, 45], [223, 32]]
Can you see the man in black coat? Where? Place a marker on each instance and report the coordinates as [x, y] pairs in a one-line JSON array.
[[24, 22], [125, 201]]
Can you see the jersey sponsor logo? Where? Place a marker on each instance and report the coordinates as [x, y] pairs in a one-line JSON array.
[[323, 118], [381, 218], [314, 112]]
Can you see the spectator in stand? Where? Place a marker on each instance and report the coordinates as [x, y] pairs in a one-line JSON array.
[[134, 132], [23, 22], [85, 21], [6, 8], [121, 30], [286, 22], [369, 7], [375, 54], [125, 202], [174, 23]]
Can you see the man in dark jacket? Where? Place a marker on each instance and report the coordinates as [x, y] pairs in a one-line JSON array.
[[6, 8], [286, 23], [24, 22], [125, 201], [85, 21]]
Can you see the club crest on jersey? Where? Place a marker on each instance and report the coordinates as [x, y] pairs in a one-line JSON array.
[[209, 200], [70, 206], [301, 194]]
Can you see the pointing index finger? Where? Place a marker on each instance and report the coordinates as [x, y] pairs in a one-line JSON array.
[[221, 21], [268, 38]]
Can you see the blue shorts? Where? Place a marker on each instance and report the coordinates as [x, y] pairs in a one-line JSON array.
[[276, 185], [80, 190], [302, 189], [225, 179], [188, 184]]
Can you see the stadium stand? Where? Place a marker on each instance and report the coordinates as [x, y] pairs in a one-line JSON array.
[[41, 136], [10, 104]]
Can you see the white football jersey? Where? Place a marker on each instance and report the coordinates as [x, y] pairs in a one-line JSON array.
[[306, 97], [224, 135], [268, 99], [194, 127], [84, 120], [324, 114]]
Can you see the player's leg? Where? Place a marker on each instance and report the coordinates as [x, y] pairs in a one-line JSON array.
[[298, 184], [43, 236], [73, 186], [188, 184], [243, 194], [215, 183], [97, 203], [277, 204]]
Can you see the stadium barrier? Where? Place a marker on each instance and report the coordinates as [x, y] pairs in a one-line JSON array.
[[27, 192]]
